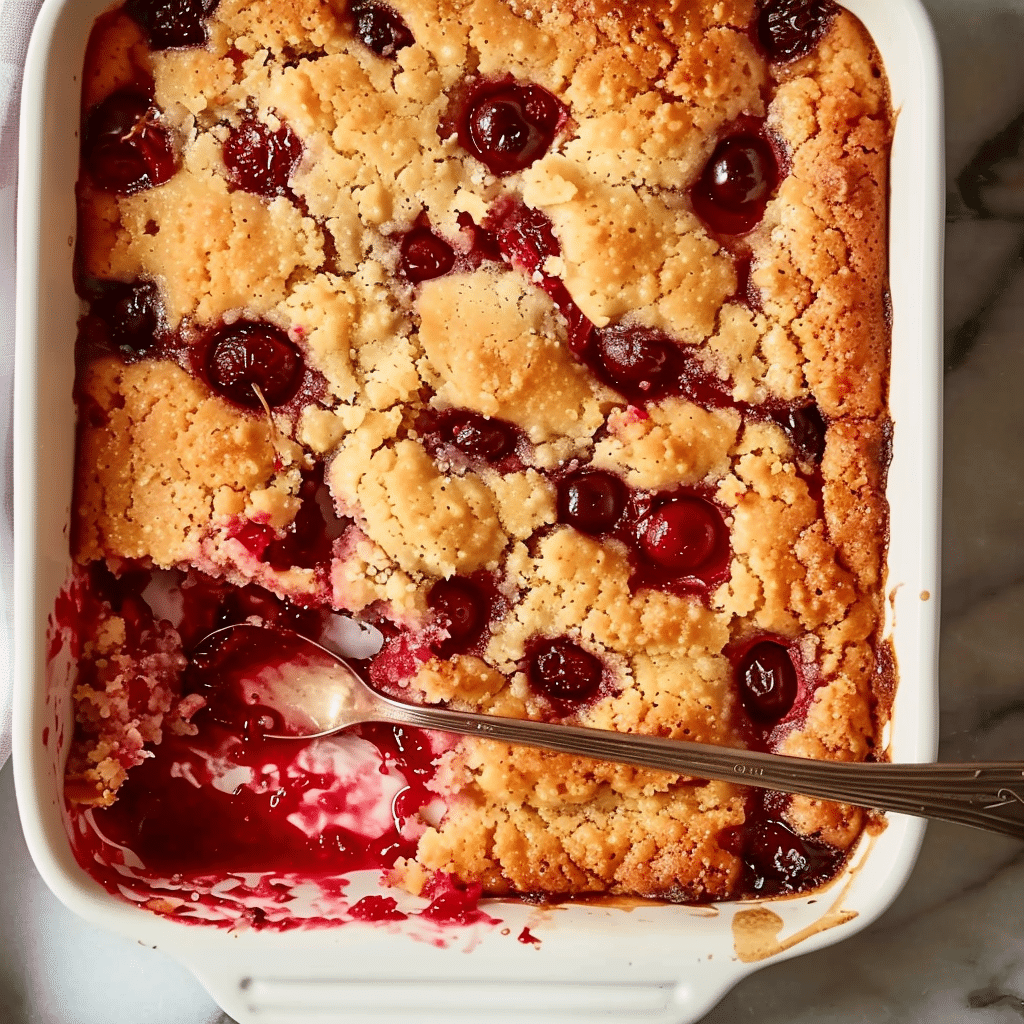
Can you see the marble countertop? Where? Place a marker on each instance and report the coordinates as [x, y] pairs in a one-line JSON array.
[[952, 947]]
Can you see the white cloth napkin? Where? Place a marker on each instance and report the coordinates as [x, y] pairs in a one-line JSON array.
[[16, 20]]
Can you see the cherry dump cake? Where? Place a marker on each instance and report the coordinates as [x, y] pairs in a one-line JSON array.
[[549, 340]]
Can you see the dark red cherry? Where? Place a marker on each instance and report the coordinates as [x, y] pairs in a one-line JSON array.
[[592, 501], [461, 606], [126, 148], [782, 861], [526, 238], [682, 535], [739, 172], [380, 28], [636, 359], [172, 23], [261, 160], [645, 364], [132, 313], [478, 436], [767, 681], [425, 256], [788, 29], [562, 670], [807, 428], [247, 356], [509, 126], [736, 184]]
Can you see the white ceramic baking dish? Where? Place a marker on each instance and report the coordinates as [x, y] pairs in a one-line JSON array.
[[653, 963]]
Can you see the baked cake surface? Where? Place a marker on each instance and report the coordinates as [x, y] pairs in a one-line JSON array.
[[565, 326]]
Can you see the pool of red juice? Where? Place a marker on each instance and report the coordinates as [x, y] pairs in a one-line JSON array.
[[223, 828], [221, 802], [229, 821]]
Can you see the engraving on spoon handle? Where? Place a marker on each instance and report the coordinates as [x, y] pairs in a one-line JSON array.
[[986, 795]]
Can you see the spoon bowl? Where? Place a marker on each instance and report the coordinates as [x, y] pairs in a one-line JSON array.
[[301, 690]]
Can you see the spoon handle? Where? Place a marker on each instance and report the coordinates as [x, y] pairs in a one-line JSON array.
[[985, 795]]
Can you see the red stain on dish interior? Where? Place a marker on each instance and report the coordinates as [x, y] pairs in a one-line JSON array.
[[452, 903], [232, 799], [377, 908]]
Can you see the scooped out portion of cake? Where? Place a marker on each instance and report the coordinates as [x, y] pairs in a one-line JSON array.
[[549, 340]]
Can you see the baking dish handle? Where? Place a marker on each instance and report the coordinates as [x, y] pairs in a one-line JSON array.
[[269, 1000]]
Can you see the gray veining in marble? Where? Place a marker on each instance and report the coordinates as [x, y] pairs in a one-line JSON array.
[[951, 949]]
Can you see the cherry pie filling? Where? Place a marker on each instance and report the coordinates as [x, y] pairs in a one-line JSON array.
[[790, 29], [380, 28], [126, 146], [170, 24], [261, 159], [509, 125], [177, 810]]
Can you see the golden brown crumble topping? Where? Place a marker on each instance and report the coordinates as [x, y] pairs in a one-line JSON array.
[[768, 329]]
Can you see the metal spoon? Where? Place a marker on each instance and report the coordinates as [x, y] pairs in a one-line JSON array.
[[315, 693]]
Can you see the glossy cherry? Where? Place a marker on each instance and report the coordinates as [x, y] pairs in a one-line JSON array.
[[462, 608], [807, 429], [767, 681], [260, 159], [563, 670], [380, 28], [246, 356], [637, 359], [788, 29], [132, 313], [780, 861], [736, 184], [740, 172], [508, 126], [682, 535], [126, 147], [592, 501], [172, 23], [425, 256], [478, 436]]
